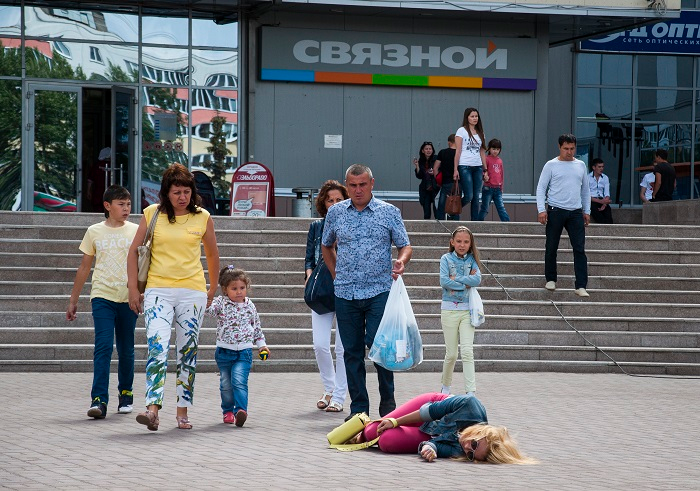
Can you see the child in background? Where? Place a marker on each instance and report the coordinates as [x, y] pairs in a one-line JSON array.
[[459, 270], [237, 330], [493, 183], [647, 187], [108, 243]]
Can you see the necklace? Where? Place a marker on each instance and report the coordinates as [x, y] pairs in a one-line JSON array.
[[182, 223]]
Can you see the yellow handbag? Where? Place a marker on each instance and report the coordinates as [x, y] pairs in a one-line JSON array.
[[339, 437]]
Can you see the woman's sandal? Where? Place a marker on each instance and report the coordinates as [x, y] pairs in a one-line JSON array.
[[334, 407], [183, 422], [148, 418], [324, 401]]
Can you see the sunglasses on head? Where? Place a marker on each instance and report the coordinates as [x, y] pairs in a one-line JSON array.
[[427, 143], [470, 453]]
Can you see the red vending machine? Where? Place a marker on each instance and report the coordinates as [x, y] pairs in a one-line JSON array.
[[252, 191]]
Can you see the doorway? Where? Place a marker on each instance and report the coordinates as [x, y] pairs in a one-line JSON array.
[[79, 141]]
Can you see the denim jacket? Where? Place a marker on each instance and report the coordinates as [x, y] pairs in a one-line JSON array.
[[445, 419], [313, 244], [454, 290]]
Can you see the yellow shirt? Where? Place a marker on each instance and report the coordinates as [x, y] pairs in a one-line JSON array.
[[176, 255], [110, 246]]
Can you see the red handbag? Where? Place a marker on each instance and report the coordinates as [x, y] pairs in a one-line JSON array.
[[438, 179]]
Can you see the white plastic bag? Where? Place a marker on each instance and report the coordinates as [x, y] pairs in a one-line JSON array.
[[476, 308], [397, 345]]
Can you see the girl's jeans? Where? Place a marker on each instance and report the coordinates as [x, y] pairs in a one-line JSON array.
[[405, 438], [233, 383], [112, 319], [487, 194], [334, 380], [459, 332], [471, 179], [162, 306]]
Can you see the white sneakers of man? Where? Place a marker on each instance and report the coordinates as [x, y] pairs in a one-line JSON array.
[[551, 286], [581, 292]]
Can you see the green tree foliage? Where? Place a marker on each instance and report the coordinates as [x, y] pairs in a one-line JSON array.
[[219, 151], [10, 128]]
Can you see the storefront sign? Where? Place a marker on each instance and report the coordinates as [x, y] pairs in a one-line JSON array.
[[165, 126], [252, 192], [374, 58], [673, 36]]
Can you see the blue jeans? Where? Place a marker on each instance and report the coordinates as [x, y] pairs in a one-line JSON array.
[[233, 383], [471, 178], [358, 321], [487, 194], [112, 319], [571, 220]]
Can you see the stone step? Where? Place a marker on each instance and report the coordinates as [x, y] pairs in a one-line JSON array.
[[303, 337], [83, 220], [298, 251], [21, 288], [302, 321], [294, 352]]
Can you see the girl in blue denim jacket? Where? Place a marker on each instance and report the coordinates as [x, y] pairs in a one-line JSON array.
[[459, 271]]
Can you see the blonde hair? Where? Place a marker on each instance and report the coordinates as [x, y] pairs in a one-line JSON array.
[[502, 447], [472, 247]]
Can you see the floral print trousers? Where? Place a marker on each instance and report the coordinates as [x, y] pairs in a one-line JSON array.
[[162, 307]]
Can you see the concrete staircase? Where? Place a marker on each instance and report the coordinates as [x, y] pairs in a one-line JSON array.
[[643, 310]]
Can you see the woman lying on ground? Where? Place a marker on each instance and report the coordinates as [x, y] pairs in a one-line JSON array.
[[442, 426]]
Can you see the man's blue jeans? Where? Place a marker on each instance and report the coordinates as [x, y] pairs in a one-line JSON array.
[[358, 321], [571, 220], [495, 194], [112, 319], [470, 181], [233, 381]]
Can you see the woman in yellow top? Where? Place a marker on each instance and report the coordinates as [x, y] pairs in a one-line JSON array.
[[176, 289]]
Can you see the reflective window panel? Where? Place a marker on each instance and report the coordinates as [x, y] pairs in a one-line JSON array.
[[81, 24], [605, 103], [165, 30], [10, 21], [164, 124], [10, 57], [664, 105], [165, 66], [599, 69], [665, 71], [209, 33], [215, 68], [10, 143]]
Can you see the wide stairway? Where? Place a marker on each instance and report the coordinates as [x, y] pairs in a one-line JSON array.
[[643, 310]]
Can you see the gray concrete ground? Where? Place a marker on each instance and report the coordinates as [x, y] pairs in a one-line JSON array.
[[589, 432]]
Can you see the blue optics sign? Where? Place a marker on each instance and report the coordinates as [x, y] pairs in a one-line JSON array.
[[679, 36]]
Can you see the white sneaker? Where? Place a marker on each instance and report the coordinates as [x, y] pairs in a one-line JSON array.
[[581, 292], [551, 286]]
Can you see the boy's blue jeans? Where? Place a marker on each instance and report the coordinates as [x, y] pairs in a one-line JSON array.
[[495, 194], [233, 383], [112, 318]]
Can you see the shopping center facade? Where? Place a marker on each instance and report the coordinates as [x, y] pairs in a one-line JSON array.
[[306, 88]]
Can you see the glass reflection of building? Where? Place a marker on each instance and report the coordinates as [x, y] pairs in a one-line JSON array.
[[629, 105], [90, 70]]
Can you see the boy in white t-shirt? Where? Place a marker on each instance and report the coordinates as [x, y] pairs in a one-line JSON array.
[[647, 187], [108, 243]]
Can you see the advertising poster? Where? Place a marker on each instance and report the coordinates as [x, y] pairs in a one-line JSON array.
[[250, 199]]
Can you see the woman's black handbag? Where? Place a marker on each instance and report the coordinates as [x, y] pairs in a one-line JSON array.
[[319, 293]]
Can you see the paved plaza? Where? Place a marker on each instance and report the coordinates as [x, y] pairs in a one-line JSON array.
[[589, 432]]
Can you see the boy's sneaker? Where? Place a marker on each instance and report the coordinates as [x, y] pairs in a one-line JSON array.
[[229, 418], [241, 416], [126, 402], [98, 409]]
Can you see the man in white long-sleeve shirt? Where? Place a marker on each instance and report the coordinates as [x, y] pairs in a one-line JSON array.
[[564, 185]]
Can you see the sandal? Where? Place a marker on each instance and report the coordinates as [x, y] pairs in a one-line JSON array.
[[324, 401], [148, 418], [183, 422], [334, 407]]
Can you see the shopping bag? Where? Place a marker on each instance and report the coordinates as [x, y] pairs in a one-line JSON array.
[[476, 308], [397, 345], [453, 203]]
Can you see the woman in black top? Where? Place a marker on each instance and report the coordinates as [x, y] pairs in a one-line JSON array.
[[428, 188]]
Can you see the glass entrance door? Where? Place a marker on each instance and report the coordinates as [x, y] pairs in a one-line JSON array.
[[52, 149], [123, 138]]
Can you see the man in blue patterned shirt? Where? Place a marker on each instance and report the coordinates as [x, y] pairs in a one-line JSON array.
[[364, 229]]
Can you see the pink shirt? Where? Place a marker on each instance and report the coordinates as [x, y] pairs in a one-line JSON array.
[[494, 166]]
